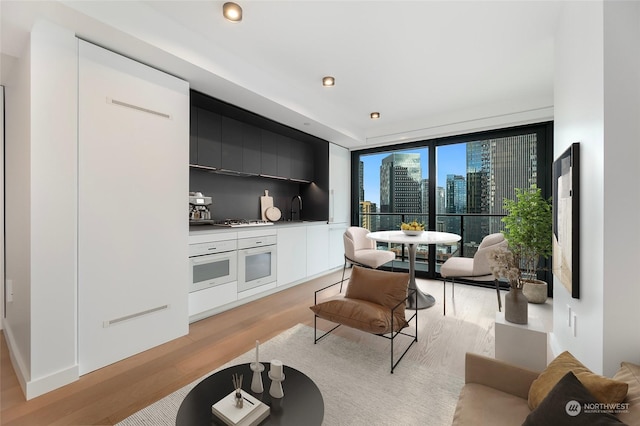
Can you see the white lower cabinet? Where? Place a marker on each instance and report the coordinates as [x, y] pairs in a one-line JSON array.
[[212, 297], [336, 244], [256, 290], [302, 252], [317, 249], [292, 254]]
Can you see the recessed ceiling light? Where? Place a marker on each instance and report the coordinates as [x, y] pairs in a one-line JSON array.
[[232, 11], [375, 115], [328, 81]]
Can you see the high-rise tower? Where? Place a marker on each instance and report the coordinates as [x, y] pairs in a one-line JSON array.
[[400, 177]]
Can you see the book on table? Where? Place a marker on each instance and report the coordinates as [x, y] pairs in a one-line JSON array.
[[253, 411]]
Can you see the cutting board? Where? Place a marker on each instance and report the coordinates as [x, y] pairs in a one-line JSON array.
[[266, 201]]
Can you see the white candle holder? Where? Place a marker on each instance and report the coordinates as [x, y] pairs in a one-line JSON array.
[[276, 386], [256, 381]]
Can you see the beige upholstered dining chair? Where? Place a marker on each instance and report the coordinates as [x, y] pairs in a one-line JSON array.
[[475, 269], [360, 250]]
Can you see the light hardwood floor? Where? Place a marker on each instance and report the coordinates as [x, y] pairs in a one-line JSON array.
[[108, 395]]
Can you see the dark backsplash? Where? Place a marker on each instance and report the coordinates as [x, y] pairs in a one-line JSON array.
[[237, 197]]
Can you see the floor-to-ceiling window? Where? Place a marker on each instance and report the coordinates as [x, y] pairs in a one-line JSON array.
[[454, 184]]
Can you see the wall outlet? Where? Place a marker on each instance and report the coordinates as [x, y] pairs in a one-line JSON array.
[[9, 290]]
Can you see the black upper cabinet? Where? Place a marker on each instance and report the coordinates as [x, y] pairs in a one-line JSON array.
[[284, 156], [310, 163], [224, 137], [209, 139], [301, 161], [231, 153], [269, 151], [251, 149]]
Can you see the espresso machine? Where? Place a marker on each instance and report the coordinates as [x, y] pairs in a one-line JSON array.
[[199, 209]]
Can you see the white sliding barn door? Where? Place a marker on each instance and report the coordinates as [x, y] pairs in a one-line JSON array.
[[132, 208]]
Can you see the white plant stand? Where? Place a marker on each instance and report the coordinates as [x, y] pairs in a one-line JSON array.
[[524, 345]]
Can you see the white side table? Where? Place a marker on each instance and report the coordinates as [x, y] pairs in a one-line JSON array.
[[521, 345]]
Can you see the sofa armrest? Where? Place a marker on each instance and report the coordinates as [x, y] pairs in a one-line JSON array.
[[498, 375]]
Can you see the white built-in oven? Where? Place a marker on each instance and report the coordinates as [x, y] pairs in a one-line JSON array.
[[256, 261], [212, 264]]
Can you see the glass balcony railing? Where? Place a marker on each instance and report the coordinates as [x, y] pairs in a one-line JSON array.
[[472, 227]]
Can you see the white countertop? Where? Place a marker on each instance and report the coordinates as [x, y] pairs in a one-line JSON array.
[[211, 229]]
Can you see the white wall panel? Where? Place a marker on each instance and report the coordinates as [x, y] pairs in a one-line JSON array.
[[17, 323], [597, 103], [578, 104], [621, 200], [2, 285], [53, 200], [40, 323]]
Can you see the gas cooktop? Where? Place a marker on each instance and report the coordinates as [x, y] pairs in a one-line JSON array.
[[236, 223]]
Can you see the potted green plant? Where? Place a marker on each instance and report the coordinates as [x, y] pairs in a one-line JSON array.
[[528, 230]]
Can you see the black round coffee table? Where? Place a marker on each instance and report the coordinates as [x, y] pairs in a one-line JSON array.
[[302, 403]]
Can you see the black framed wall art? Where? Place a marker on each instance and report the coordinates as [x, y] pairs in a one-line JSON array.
[[566, 219]]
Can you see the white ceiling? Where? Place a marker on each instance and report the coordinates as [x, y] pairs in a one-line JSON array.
[[430, 68]]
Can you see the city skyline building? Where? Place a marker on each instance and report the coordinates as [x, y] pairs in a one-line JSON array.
[[400, 178], [514, 164], [441, 200], [368, 217], [456, 193], [424, 189]]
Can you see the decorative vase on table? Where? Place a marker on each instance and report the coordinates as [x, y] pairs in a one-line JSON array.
[[535, 291], [516, 306]]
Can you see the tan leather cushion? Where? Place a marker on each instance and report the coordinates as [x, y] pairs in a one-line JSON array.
[[603, 389], [368, 301], [381, 287], [630, 374], [359, 314]]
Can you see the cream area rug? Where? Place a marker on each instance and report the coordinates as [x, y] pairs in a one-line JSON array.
[[354, 380]]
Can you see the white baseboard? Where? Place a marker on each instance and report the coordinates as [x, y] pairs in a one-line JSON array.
[[51, 382], [39, 386], [19, 365]]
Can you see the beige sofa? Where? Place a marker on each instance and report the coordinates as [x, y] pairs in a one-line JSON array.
[[496, 393]]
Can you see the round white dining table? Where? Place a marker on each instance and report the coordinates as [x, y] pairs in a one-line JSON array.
[[420, 300]]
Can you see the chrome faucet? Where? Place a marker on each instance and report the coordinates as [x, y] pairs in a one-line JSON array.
[[299, 206]]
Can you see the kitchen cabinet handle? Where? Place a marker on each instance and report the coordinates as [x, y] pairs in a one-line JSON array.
[[211, 248]]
